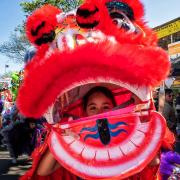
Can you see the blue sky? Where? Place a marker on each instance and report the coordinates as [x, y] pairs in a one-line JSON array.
[[157, 12]]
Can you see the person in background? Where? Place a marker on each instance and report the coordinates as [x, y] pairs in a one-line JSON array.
[[177, 106], [155, 93], [169, 111], [1, 109]]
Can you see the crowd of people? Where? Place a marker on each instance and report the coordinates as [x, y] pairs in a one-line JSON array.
[[170, 111], [171, 114], [21, 135], [18, 134]]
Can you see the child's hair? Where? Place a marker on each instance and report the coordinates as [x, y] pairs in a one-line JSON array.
[[101, 89]]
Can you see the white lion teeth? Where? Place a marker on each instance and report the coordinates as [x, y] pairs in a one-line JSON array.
[[127, 147], [115, 153], [143, 92], [102, 155], [137, 138], [75, 160], [68, 139], [77, 147], [143, 127], [88, 153]]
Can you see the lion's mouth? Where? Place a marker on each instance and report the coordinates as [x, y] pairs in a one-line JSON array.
[[68, 105], [105, 139]]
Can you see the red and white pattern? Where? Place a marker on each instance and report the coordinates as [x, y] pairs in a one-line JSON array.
[[125, 155]]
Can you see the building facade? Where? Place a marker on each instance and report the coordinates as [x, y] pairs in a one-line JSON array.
[[169, 39]]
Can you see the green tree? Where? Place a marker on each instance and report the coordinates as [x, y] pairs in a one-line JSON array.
[[17, 45], [15, 48], [65, 5]]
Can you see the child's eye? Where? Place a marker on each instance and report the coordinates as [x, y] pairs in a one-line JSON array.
[[92, 108], [106, 107]]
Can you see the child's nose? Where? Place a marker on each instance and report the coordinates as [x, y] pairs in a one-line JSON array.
[[100, 110]]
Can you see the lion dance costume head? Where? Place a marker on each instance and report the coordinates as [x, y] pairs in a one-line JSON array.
[[101, 43]]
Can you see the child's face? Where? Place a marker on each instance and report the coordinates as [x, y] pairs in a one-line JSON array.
[[98, 103]]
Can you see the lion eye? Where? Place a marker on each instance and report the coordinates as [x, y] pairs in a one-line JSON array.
[[122, 21], [122, 15], [121, 24]]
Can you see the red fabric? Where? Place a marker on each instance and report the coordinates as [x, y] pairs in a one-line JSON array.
[[62, 174], [169, 140], [59, 174], [36, 155], [150, 173]]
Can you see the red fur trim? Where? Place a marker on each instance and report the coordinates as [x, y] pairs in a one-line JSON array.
[[128, 63], [102, 15], [46, 13], [89, 5], [95, 17], [134, 60]]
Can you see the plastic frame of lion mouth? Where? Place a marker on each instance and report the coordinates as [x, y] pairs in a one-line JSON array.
[[102, 43]]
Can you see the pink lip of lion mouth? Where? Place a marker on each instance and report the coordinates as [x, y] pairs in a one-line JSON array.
[[120, 112]]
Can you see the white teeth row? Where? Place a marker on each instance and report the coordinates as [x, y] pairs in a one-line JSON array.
[[120, 150], [123, 148]]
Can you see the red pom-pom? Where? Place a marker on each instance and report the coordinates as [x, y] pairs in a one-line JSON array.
[[42, 21]]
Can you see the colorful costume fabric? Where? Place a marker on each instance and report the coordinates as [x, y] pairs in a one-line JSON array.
[[104, 43], [169, 161], [16, 80]]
